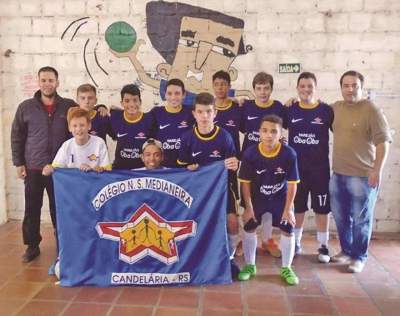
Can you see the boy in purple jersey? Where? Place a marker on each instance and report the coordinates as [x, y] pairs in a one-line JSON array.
[[308, 123], [171, 121], [252, 113], [130, 128], [100, 122], [268, 176], [207, 143]]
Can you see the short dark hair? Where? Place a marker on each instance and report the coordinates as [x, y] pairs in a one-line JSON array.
[[203, 98], [48, 69], [176, 82], [352, 73], [307, 75], [263, 78], [222, 74], [86, 87], [130, 89], [272, 118]]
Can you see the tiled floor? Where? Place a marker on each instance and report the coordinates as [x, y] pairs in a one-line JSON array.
[[26, 289]]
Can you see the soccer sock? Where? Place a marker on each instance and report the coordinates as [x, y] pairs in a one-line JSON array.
[[287, 249], [233, 241], [266, 221], [323, 238], [298, 233], [249, 247]]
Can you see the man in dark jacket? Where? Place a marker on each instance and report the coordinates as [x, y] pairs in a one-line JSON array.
[[38, 130]]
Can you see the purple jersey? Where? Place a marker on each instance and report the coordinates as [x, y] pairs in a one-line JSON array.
[[101, 125], [130, 136], [252, 113], [229, 117], [268, 174], [169, 127], [309, 133], [200, 149]]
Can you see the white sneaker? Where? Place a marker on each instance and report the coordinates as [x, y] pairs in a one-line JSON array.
[[341, 258], [323, 254], [356, 266]]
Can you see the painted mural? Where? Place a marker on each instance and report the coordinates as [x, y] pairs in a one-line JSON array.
[[193, 41]]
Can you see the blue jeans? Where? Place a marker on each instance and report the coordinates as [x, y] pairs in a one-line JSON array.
[[352, 204]]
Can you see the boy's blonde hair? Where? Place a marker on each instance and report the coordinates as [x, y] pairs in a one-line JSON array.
[[76, 112], [86, 87]]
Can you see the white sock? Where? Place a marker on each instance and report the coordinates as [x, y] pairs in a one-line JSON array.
[[249, 247], [323, 238], [298, 233], [266, 222], [287, 249], [233, 241]]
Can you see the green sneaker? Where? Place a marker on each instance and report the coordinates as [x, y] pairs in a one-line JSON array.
[[248, 271], [289, 276]]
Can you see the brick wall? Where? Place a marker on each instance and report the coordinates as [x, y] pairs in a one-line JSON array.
[[326, 37]]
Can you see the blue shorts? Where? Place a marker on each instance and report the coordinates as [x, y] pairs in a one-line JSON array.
[[314, 182], [276, 209]]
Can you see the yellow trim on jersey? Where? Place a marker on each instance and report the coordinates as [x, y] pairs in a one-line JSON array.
[[308, 106], [108, 167], [197, 133], [264, 105], [243, 180], [92, 114], [56, 165], [272, 154], [182, 163], [295, 181], [226, 104], [170, 109], [133, 121]]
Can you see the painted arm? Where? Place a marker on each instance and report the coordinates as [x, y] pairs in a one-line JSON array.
[[382, 151], [131, 54]]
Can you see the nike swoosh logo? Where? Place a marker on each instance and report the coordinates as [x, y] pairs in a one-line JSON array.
[[296, 120], [195, 154], [261, 171], [121, 135], [164, 126], [252, 117]]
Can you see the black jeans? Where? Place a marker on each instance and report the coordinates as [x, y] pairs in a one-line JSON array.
[[35, 184]]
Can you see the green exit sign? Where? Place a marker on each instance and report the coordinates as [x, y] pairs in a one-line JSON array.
[[289, 68]]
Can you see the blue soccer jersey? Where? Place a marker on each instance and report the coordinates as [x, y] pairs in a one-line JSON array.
[[309, 133], [169, 127], [268, 174], [200, 149], [252, 113], [229, 117], [130, 136], [101, 125]]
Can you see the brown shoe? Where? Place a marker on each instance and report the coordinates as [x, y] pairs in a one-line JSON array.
[[271, 246], [30, 253]]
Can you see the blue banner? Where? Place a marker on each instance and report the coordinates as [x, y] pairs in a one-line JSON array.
[[157, 227]]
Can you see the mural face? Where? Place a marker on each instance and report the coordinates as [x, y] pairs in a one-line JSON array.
[[204, 48]]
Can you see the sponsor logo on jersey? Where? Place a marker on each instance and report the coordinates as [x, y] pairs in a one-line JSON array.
[[317, 120], [215, 154], [261, 171], [196, 153], [279, 170], [164, 126], [183, 124], [93, 157], [251, 117], [121, 135], [296, 120], [140, 135]]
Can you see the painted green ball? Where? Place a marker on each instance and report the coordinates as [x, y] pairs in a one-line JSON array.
[[120, 36]]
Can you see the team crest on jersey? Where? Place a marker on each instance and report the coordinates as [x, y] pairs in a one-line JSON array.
[[317, 120], [147, 234], [215, 154], [93, 157], [140, 135], [230, 123], [279, 170], [183, 124]]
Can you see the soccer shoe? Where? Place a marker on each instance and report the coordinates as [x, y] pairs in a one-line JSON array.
[[31, 253], [341, 258], [298, 249], [272, 248], [323, 254], [356, 266], [289, 276], [248, 271]]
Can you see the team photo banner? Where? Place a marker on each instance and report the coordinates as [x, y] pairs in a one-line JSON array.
[[144, 227]]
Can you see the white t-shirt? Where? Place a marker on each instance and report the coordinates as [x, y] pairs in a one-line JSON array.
[[94, 153]]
